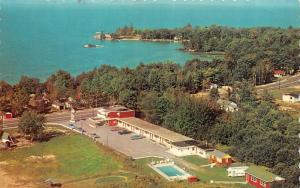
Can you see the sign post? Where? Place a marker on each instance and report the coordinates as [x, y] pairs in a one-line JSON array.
[[73, 112], [1, 120]]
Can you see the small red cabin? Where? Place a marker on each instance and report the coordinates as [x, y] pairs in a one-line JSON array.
[[112, 112], [8, 115], [279, 73], [261, 178]]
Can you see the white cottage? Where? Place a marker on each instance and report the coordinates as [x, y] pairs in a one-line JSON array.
[[291, 97], [237, 170]]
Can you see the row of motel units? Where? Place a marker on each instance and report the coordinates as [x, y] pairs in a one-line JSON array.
[[178, 144]]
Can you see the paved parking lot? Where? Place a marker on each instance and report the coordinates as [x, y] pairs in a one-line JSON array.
[[122, 143]]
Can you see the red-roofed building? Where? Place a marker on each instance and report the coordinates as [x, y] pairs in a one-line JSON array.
[[279, 73], [112, 112], [259, 177]]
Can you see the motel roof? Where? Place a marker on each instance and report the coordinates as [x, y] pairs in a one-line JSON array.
[[262, 173], [186, 143], [115, 108], [155, 129], [296, 95]]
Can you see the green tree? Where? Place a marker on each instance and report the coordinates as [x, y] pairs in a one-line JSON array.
[[32, 124]]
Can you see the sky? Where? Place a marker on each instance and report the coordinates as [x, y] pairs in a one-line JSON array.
[[204, 2]]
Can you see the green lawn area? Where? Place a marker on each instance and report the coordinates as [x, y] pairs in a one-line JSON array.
[[65, 157], [207, 173], [216, 174], [194, 159], [142, 164]]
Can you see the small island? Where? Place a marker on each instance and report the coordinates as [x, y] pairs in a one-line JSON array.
[[92, 46]]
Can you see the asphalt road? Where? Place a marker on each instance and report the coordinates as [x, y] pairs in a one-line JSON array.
[[284, 83], [56, 117]]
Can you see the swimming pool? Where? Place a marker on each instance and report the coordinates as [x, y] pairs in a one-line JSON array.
[[170, 171]]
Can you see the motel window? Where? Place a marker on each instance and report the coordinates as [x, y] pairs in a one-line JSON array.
[[253, 178], [262, 183]]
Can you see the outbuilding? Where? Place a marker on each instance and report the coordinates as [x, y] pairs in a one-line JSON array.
[[220, 158], [237, 170], [8, 115], [291, 97], [279, 73], [261, 178], [110, 113]]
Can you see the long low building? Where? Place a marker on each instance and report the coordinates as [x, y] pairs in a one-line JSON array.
[[177, 144], [151, 131]]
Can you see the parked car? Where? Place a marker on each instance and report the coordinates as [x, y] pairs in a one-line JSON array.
[[99, 124], [117, 129], [122, 132], [72, 126], [136, 137], [94, 135]]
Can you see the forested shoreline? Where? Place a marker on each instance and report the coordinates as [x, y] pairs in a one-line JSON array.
[[161, 93], [250, 53]]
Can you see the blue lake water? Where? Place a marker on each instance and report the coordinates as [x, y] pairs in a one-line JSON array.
[[38, 39]]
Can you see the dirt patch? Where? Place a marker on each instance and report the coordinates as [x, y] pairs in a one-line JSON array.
[[44, 158], [9, 181]]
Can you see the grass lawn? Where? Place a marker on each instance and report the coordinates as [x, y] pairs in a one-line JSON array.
[[63, 158], [142, 164], [194, 159], [207, 173]]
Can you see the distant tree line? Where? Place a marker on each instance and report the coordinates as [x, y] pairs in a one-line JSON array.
[[250, 53]]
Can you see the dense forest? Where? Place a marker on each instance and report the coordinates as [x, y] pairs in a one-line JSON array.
[[250, 53], [162, 93]]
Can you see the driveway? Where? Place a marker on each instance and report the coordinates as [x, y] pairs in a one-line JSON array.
[[122, 143]]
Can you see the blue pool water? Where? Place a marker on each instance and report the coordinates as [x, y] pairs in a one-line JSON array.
[[170, 171]]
